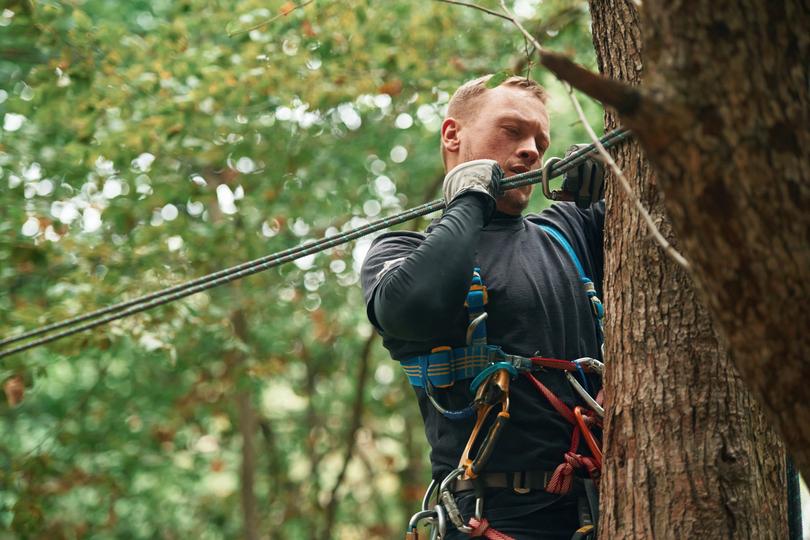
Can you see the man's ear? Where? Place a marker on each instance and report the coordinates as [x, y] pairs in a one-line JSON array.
[[450, 131]]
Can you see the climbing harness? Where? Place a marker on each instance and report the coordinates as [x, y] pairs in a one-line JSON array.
[[597, 308], [86, 321], [491, 371]]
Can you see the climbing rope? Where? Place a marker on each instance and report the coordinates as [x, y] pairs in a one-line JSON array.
[[102, 316]]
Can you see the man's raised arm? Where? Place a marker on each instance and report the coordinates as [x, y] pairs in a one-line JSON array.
[[414, 294]]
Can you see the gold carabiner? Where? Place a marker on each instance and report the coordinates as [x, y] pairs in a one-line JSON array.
[[495, 390]]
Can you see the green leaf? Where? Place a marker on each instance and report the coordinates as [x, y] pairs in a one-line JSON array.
[[497, 79]]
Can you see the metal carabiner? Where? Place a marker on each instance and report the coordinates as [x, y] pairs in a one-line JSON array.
[[598, 409], [440, 527], [446, 497], [429, 494], [460, 414], [593, 446], [413, 523], [591, 363], [550, 162], [450, 505], [473, 326], [494, 390]]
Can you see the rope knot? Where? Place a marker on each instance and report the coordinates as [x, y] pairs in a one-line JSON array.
[[563, 477], [482, 528], [478, 527]]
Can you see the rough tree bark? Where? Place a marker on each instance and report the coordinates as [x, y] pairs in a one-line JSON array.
[[732, 151], [688, 453], [724, 117]]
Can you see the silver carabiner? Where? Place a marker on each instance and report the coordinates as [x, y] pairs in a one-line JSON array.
[[550, 162], [591, 363], [585, 395], [440, 527], [424, 515], [473, 325], [429, 494], [446, 496]]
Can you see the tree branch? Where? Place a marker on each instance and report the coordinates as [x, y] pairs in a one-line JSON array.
[[558, 19], [349, 441], [475, 6], [283, 13], [581, 72], [668, 248], [624, 98]]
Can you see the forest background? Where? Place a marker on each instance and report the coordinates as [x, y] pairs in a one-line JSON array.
[[145, 143]]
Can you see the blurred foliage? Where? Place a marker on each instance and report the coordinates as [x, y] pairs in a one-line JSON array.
[[145, 143]]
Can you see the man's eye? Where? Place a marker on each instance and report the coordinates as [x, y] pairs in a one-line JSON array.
[[511, 130]]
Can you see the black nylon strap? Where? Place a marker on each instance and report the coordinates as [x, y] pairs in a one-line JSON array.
[[520, 482]]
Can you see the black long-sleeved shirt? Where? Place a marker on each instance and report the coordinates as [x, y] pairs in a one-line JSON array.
[[415, 286]]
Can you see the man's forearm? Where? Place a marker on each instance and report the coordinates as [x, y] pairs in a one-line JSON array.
[[417, 300]]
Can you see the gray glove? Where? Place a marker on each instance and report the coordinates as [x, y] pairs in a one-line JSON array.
[[586, 183], [481, 175]]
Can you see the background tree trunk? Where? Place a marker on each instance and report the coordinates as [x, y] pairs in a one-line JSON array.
[[687, 452], [247, 429], [731, 82]]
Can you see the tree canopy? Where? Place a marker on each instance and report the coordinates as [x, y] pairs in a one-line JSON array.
[[147, 143]]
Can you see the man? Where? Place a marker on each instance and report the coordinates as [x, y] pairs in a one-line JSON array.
[[416, 284]]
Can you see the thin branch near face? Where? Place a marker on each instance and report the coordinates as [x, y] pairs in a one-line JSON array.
[[557, 20], [528, 57], [607, 158], [284, 13], [659, 238], [475, 6]]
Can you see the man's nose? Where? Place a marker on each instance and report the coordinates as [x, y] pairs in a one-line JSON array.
[[528, 153]]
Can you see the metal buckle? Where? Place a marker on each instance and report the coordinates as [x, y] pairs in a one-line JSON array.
[[518, 485]]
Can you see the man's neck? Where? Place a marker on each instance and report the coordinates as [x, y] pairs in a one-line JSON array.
[[498, 214]]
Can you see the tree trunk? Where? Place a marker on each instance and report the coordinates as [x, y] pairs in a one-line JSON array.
[[247, 429], [247, 472], [688, 453], [735, 167]]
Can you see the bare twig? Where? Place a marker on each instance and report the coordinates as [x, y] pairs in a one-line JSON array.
[[607, 158], [665, 245], [511, 18], [284, 13], [559, 19], [351, 433], [528, 57], [476, 6]]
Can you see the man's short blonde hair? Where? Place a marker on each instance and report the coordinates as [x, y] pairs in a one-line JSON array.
[[464, 100]]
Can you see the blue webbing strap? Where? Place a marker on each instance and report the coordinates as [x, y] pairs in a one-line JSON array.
[[590, 290], [444, 366], [557, 235], [476, 305]]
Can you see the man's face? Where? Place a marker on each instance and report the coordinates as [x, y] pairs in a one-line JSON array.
[[511, 126]]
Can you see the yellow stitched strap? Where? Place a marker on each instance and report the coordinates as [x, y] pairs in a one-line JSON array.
[[585, 529], [440, 369]]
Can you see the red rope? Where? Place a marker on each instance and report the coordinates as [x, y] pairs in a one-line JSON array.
[[563, 478], [482, 528], [558, 405]]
